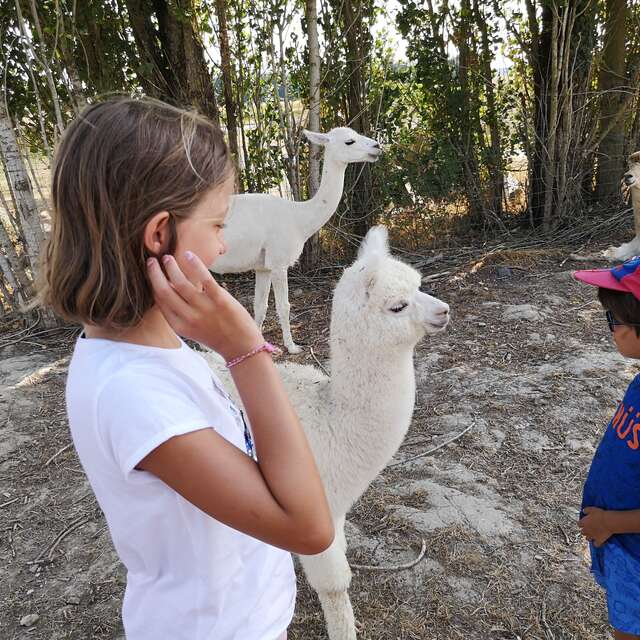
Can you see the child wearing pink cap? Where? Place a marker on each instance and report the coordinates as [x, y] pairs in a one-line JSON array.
[[610, 513]]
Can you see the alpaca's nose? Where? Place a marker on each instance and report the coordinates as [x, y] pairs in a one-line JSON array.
[[444, 310], [628, 178], [377, 145]]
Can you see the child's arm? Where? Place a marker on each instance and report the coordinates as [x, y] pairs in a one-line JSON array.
[[599, 525], [280, 500], [623, 521]]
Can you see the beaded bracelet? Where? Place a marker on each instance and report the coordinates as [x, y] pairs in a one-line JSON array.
[[265, 346]]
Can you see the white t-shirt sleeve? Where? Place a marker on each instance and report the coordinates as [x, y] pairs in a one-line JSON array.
[[137, 412]]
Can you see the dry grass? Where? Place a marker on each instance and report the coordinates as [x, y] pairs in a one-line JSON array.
[[518, 258]]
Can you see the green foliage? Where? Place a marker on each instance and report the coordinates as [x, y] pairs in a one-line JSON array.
[[436, 112], [95, 43]]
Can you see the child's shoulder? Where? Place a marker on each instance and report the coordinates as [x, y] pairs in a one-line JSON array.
[[634, 385], [123, 369], [632, 394]]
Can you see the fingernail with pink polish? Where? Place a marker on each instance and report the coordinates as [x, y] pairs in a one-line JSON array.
[[150, 262], [166, 259], [188, 255]]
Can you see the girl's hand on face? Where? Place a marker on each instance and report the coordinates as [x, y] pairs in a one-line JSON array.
[[197, 307], [594, 526]]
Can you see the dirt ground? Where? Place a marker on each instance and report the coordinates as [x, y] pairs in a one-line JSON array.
[[527, 368]]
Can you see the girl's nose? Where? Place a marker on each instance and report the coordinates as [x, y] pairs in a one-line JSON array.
[[223, 248]]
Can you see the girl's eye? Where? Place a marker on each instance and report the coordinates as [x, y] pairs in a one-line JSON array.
[[221, 226], [399, 307], [350, 142]]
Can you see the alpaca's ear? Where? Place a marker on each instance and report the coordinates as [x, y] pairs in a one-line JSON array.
[[634, 157], [375, 243], [315, 137], [369, 284]]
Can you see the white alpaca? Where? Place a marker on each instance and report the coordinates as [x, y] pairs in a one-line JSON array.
[[356, 419], [630, 185], [266, 234]]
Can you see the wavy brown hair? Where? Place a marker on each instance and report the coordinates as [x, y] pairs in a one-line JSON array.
[[119, 163]]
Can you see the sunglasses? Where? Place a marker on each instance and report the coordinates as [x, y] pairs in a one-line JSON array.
[[613, 323]]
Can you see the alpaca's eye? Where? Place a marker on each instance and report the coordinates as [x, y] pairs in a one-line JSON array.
[[399, 307], [350, 142]]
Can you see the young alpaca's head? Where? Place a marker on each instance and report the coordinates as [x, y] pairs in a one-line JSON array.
[[345, 145], [631, 179], [378, 303]]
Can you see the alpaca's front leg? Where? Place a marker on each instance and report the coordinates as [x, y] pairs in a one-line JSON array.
[[625, 251], [281, 293], [261, 296], [330, 575]]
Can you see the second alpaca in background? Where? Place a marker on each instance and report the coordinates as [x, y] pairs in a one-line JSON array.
[[266, 234]]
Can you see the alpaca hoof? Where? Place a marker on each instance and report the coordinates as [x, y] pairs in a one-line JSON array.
[[612, 254], [293, 349]]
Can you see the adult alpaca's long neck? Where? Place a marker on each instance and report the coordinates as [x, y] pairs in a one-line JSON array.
[[315, 212], [372, 399], [635, 200]]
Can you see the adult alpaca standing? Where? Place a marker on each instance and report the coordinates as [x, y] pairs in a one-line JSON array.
[[356, 419], [266, 234], [630, 185]]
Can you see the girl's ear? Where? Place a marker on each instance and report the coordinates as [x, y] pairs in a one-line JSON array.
[[157, 234]]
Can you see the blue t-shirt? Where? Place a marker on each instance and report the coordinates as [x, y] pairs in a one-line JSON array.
[[613, 481]]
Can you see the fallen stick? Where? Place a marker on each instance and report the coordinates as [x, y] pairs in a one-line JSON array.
[[397, 567], [76, 524], [55, 455], [318, 361], [426, 453], [435, 276]]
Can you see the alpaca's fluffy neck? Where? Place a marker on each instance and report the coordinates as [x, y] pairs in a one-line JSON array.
[[372, 398], [314, 213], [635, 201]]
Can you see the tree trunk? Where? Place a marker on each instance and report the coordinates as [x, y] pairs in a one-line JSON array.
[[14, 269], [467, 128], [156, 77], [66, 53], [359, 182], [7, 276], [560, 58], [227, 73], [613, 85], [174, 53], [20, 186], [634, 138], [540, 48], [241, 88], [315, 151], [41, 112], [311, 253], [288, 128], [495, 154], [41, 61]]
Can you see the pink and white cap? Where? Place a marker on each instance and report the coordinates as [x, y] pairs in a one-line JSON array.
[[623, 277]]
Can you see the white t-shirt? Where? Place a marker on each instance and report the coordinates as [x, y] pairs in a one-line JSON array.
[[189, 577]]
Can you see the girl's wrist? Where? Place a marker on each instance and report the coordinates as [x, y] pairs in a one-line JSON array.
[[264, 346], [231, 349]]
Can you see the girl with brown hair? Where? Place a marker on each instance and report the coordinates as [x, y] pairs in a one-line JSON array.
[[202, 518]]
